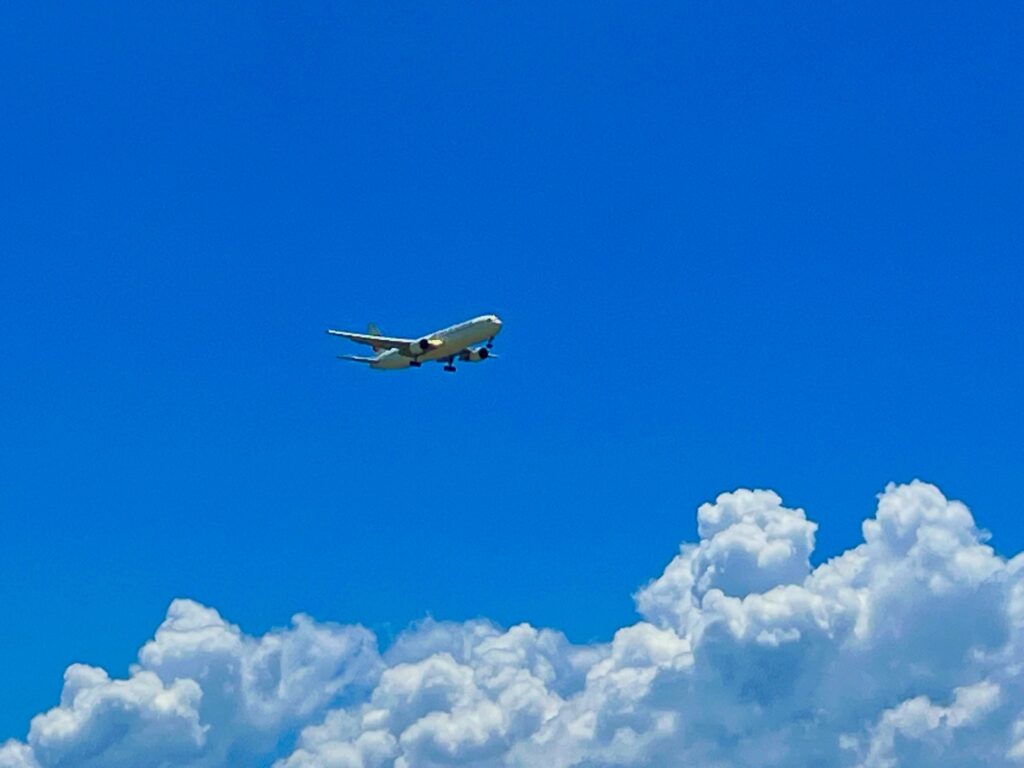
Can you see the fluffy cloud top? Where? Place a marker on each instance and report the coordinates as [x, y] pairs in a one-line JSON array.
[[907, 650]]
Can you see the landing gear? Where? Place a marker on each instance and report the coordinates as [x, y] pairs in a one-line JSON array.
[[415, 363], [451, 365], [490, 343]]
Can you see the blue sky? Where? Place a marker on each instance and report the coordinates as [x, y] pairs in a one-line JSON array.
[[759, 245]]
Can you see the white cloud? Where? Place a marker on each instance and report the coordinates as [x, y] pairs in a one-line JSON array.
[[102, 722], [16, 755], [919, 731], [907, 650]]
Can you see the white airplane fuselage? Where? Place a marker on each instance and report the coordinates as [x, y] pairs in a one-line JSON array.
[[454, 339]]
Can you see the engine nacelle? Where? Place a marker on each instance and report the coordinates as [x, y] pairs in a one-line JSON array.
[[417, 348], [475, 355]]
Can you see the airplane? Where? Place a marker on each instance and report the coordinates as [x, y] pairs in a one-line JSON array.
[[447, 345]]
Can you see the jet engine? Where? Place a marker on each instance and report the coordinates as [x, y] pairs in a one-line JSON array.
[[423, 345], [475, 355]]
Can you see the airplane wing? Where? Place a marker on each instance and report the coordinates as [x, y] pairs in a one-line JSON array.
[[411, 347]]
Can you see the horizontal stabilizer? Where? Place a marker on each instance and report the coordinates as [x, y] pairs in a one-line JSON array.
[[357, 358]]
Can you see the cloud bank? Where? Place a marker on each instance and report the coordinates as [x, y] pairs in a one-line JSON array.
[[907, 650]]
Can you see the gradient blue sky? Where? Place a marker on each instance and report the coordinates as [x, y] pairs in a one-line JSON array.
[[734, 244]]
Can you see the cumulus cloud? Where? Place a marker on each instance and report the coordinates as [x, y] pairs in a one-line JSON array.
[[906, 650]]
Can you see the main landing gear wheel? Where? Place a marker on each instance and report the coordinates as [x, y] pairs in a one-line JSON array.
[[415, 363], [451, 365]]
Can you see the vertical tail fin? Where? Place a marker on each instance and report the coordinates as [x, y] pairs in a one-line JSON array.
[[373, 330]]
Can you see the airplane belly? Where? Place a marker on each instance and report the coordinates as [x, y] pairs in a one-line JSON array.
[[456, 343]]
